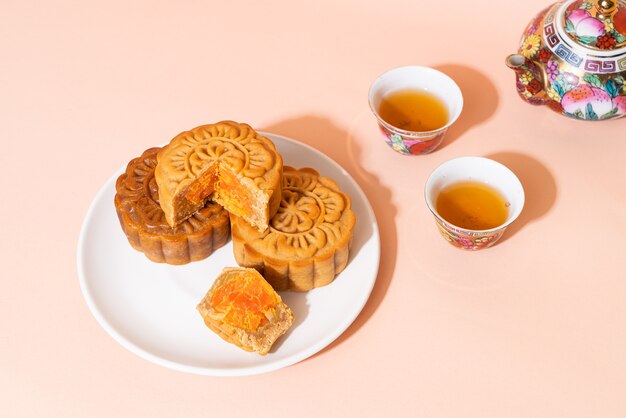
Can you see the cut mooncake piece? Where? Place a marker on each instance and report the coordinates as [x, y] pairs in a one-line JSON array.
[[243, 309], [143, 221], [308, 241], [226, 162]]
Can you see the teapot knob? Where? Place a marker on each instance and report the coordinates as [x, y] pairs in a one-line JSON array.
[[606, 8]]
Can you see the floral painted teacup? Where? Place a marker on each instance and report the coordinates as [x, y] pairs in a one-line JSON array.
[[481, 170], [418, 78]]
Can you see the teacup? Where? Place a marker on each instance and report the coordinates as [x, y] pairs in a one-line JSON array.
[[419, 78], [480, 170]]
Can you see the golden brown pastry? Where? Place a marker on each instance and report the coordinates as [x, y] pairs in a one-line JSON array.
[[227, 162], [243, 309], [143, 221], [308, 241]]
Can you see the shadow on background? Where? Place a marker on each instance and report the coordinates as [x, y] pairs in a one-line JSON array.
[[480, 99], [539, 188], [344, 148]]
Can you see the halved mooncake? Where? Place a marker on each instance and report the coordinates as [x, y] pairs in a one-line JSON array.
[[243, 309], [308, 241], [143, 221], [227, 162]]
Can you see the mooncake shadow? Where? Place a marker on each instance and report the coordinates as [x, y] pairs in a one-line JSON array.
[[480, 99], [345, 148], [540, 188]]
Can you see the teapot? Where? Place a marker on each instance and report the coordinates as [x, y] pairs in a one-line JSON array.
[[572, 58]]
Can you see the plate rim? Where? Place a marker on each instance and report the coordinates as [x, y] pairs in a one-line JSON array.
[[341, 327]]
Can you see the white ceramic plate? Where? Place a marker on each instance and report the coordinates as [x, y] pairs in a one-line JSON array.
[[150, 308]]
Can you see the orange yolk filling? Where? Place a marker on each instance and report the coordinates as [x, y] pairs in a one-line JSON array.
[[244, 301], [235, 198]]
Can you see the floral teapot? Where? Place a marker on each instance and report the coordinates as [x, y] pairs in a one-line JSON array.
[[572, 58]]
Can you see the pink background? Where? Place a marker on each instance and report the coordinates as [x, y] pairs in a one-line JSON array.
[[534, 326]]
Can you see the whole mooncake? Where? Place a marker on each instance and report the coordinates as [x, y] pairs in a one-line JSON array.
[[308, 241], [143, 221], [226, 162], [243, 309]]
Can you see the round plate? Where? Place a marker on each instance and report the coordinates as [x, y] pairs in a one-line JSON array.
[[150, 308]]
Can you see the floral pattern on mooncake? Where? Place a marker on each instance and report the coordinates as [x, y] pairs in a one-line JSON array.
[[227, 162], [308, 240]]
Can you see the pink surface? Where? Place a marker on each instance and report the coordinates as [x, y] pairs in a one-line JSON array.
[[531, 327]]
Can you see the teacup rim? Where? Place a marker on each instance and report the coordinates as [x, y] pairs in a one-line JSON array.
[[512, 219], [404, 132]]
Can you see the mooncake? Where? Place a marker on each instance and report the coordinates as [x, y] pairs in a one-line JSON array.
[[244, 310], [308, 241], [143, 221], [226, 162]]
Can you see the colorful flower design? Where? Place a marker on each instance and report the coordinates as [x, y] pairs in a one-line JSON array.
[[532, 28], [584, 25], [530, 46], [587, 101], [526, 78], [620, 105], [552, 68], [466, 242], [593, 100], [545, 55], [555, 105], [606, 41], [534, 86], [536, 100], [398, 144], [553, 94], [424, 147], [411, 145], [576, 91], [572, 79], [578, 15]]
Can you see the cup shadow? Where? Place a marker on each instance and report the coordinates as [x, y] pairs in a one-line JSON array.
[[480, 98], [343, 147], [539, 186]]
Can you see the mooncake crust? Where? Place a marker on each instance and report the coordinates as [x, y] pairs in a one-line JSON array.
[[228, 162], [308, 241], [143, 221], [259, 340]]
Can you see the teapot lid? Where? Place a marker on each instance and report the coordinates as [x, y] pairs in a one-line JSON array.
[[588, 34], [598, 25]]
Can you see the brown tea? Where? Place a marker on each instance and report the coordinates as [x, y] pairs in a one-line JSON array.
[[413, 110], [472, 205]]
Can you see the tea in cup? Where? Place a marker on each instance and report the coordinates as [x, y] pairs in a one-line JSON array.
[[473, 199], [414, 107]]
